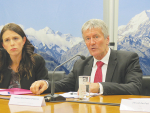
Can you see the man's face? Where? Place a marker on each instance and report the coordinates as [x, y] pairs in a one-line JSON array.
[[96, 43]]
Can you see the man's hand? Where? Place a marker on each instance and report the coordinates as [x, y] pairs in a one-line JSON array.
[[94, 87], [38, 87]]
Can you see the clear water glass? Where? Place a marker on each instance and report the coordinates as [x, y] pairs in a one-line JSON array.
[[84, 86]]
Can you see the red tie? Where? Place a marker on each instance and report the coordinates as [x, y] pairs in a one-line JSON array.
[[98, 74]]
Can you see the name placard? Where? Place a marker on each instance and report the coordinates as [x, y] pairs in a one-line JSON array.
[[135, 104], [27, 100]]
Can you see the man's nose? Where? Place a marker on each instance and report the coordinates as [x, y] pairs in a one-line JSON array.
[[92, 41]]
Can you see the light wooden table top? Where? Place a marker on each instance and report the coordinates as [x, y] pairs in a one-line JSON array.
[[70, 107]]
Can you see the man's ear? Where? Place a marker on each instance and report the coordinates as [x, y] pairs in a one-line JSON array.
[[107, 40]]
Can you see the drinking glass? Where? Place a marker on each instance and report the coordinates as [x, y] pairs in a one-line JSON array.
[[84, 86]]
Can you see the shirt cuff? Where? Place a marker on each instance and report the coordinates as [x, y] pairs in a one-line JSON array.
[[46, 82], [101, 89]]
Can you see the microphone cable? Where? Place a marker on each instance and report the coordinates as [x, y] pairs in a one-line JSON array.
[[87, 102]]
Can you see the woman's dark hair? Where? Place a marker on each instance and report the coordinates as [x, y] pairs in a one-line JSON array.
[[27, 62]]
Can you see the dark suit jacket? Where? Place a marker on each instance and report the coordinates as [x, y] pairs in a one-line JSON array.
[[123, 77], [39, 72]]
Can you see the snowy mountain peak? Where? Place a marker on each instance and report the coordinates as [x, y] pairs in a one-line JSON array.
[[68, 35], [139, 18], [148, 13], [135, 23], [48, 30], [59, 33]]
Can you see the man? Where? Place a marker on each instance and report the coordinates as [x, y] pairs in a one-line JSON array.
[[120, 71]]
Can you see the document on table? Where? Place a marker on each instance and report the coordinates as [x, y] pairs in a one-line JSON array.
[[14, 91], [75, 94]]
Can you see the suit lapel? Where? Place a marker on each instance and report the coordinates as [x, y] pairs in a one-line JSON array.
[[86, 70], [88, 67], [111, 66]]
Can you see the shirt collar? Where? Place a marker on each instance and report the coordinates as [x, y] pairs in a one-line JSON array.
[[105, 59]]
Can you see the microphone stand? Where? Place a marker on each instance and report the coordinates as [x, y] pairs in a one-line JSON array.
[[56, 97]]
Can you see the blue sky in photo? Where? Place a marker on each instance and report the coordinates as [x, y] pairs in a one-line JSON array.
[[66, 16], [129, 8]]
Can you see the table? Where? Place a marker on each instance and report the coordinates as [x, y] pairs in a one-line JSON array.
[[70, 107]]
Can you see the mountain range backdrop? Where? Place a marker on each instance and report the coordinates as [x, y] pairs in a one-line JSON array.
[[56, 47], [135, 36]]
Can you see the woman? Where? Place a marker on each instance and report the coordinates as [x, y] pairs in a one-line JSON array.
[[19, 65]]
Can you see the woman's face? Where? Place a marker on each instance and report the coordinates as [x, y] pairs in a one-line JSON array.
[[13, 43]]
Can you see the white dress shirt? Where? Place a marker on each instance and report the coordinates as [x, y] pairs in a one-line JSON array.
[[105, 60]]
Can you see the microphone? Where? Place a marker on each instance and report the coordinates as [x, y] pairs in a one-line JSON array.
[[56, 97]]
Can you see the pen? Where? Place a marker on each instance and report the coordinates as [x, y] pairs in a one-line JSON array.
[[7, 98], [73, 93]]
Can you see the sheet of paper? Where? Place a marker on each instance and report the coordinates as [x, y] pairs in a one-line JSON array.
[[1, 89], [5, 93], [75, 94], [70, 95]]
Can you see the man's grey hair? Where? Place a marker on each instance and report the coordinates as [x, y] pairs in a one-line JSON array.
[[95, 23]]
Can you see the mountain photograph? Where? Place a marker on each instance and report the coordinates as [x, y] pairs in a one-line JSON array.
[[54, 28], [135, 36], [52, 45]]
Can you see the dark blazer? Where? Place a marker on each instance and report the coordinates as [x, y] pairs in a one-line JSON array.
[[39, 72], [123, 76]]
